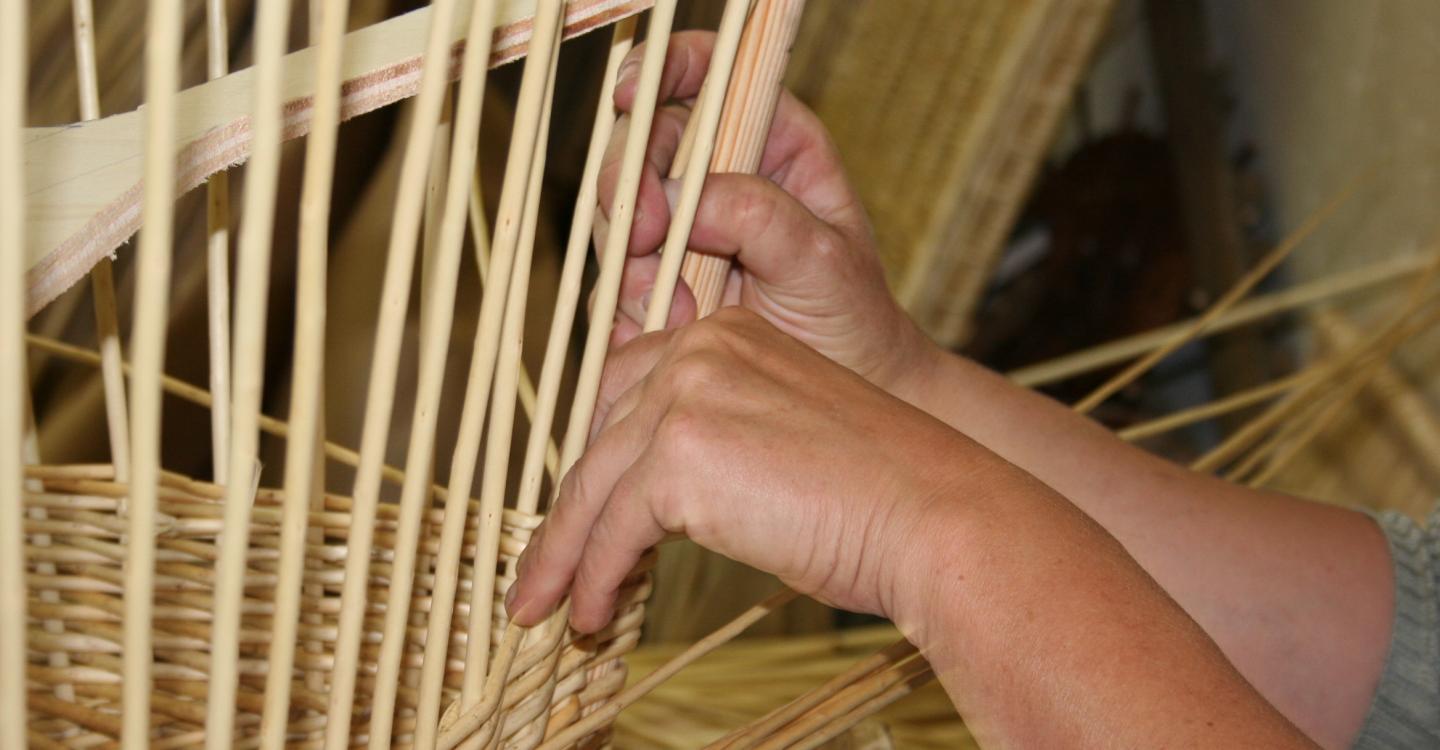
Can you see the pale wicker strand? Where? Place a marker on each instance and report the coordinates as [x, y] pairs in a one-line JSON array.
[[102, 275], [622, 217], [669, 669], [304, 464], [13, 658], [380, 397], [567, 299], [707, 116], [765, 50], [514, 237], [747, 736], [1233, 295], [437, 318], [248, 359], [1237, 442], [162, 64], [217, 259]]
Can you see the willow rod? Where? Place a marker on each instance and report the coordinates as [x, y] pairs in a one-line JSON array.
[[765, 50], [262, 176], [1218, 407], [13, 655], [706, 118], [1238, 441], [748, 736], [512, 249], [217, 258], [1331, 411], [669, 669], [437, 318], [571, 274], [152, 295], [1302, 295], [1233, 295], [301, 451], [380, 398], [102, 275]]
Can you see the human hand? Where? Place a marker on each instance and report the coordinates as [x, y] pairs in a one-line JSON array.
[[756, 447], [805, 253]]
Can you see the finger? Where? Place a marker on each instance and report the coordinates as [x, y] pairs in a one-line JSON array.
[[766, 229], [652, 209], [547, 566], [626, 367], [625, 529], [635, 288], [687, 60]]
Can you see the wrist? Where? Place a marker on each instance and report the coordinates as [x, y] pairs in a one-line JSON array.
[[912, 371]]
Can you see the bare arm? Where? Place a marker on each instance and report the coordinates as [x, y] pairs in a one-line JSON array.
[[1298, 594]]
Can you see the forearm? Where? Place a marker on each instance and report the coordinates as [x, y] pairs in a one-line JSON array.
[[1046, 634], [1297, 594]]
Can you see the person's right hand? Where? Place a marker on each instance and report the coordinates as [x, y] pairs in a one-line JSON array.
[[804, 250]]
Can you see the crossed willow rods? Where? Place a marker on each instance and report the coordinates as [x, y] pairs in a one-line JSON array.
[[823, 713]]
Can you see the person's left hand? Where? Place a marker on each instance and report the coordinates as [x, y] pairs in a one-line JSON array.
[[758, 448]]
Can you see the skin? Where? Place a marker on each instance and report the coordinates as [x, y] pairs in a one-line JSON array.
[[1069, 589]]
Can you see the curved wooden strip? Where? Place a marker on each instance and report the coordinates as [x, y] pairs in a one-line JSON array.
[[83, 180]]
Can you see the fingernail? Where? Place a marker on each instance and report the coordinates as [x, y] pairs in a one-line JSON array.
[[672, 193]]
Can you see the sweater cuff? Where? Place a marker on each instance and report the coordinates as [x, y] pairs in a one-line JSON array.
[[1406, 709]]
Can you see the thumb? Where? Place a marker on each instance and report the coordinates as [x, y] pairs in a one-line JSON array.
[[751, 219]]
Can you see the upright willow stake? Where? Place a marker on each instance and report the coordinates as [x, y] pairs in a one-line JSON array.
[[707, 115], [764, 52], [437, 316], [567, 299], [262, 176], [380, 397], [13, 656], [498, 337], [152, 294], [102, 275], [477, 393], [304, 460], [217, 258]]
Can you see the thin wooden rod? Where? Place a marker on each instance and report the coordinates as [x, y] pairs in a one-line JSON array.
[[1303, 295], [916, 674], [438, 313], [102, 276], [380, 398], [1327, 415], [749, 735], [622, 217], [501, 337], [30, 455], [152, 294], [1237, 442], [541, 442], [301, 451], [217, 259], [707, 115], [1219, 407], [764, 52], [886, 685], [13, 656], [1226, 301], [649, 682], [453, 525], [262, 176]]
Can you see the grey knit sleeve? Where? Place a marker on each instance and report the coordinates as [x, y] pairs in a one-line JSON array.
[[1406, 710]]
